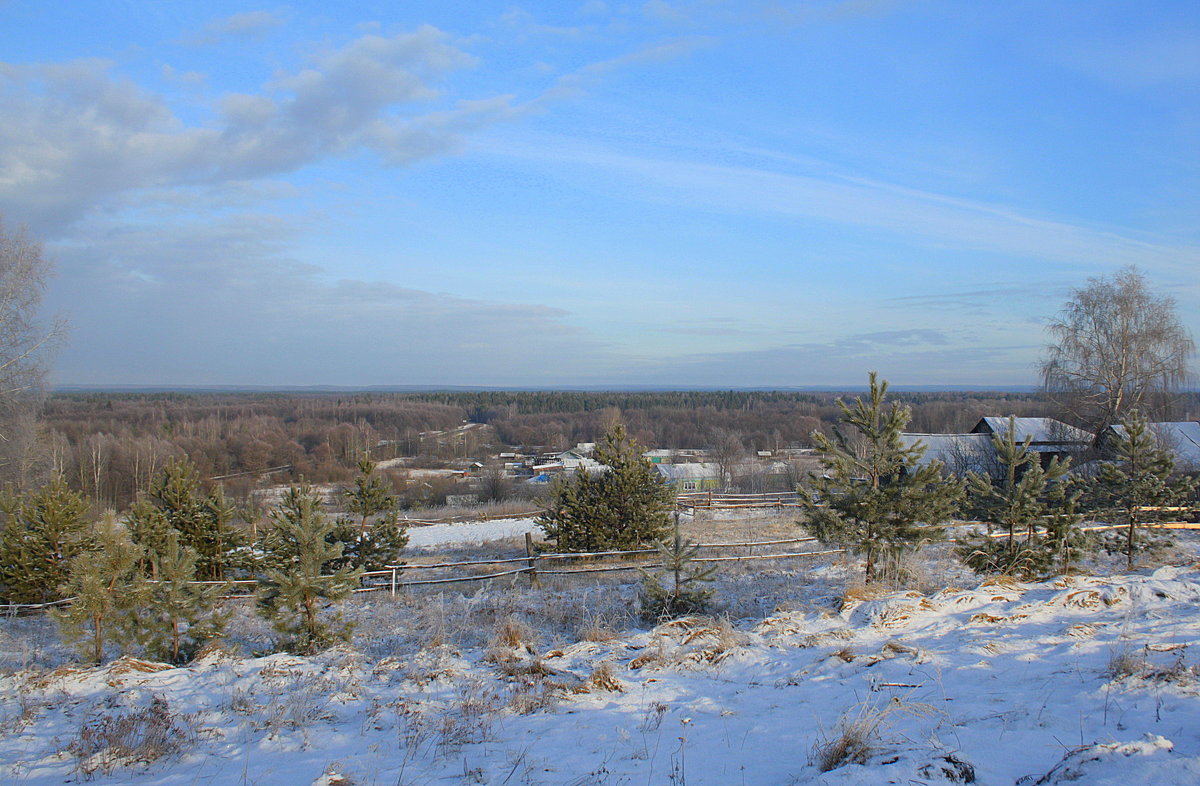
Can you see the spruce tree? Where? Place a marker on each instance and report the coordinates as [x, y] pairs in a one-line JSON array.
[[43, 531], [875, 497], [105, 586], [375, 536], [1140, 477], [178, 614], [292, 596], [1025, 500], [624, 506]]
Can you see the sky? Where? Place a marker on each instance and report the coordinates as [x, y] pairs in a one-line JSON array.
[[675, 194]]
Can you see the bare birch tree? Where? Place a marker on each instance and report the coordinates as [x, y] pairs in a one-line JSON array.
[[25, 346], [1116, 347]]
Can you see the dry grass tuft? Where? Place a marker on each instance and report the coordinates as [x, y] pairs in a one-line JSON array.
[[1127, 662], [127, 665], [1002, 581], [894, 647], [655, 655], [513, 634], [859, 592], [598, 628], [142, 736], [720, 640], [604, 678], [862, 733]]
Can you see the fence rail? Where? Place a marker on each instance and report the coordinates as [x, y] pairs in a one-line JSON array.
[[392, 578], [711, 500]]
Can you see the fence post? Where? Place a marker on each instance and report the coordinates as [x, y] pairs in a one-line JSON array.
[[531, 561], [393, 567]]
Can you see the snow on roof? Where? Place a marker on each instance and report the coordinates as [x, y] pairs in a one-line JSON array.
[[957, 451], [1037, 430], [696, 471], [1180, 436]]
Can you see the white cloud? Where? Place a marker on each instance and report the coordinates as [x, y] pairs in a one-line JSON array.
[[248, 24], [75, 134], [916, 356], [823, 194]]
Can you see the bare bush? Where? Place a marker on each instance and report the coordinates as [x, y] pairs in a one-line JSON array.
[[142, 736]]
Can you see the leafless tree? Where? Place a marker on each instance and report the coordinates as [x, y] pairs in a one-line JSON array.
[[727, 451], [25, 347], [966, 455], [1116, 347]]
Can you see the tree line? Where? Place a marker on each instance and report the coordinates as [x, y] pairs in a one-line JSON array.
[[109, 445]]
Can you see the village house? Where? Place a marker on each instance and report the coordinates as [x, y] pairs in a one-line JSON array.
[[700, 476]]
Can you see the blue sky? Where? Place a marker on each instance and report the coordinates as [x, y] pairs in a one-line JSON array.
[[593, 193]]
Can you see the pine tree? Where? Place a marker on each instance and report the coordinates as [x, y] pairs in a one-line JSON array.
[[623, 506], [1028, 500], [178, 614], [1139, 478], [876, 497], [43, 531], [292, 595], [105, 586], [217, 541], [684, 593], [174, 501], [370, 544]]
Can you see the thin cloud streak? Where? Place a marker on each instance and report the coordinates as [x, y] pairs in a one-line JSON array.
[[938, 220]]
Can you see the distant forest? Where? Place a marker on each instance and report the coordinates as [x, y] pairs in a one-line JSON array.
[[109, 445]]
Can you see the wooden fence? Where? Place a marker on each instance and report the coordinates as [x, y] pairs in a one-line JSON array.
[[711, 500], [534, 565], [395, 578]]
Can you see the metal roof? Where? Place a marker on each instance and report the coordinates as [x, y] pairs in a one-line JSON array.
[[1037, 430]]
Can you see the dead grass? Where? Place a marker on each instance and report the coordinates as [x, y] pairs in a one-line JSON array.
[[739, 526], [298, 703], [111, 741], [859, 592], [598, 627], [862, 732], [22, 709], [513, 634], [1129, 662], [604, 678]]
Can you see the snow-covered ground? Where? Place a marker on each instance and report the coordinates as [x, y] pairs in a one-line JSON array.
[[470, 532], [1087, 680]]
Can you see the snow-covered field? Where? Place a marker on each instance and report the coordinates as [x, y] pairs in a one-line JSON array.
[[1088, 680], [472, 532]]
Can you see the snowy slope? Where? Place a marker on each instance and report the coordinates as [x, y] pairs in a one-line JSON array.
[[1004, 683]]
